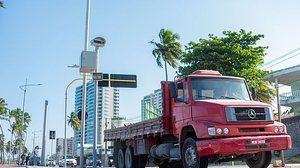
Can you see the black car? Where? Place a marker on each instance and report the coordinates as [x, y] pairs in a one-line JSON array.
[[89, 161]]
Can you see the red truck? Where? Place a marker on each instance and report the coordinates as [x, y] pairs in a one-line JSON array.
[[206, 118]]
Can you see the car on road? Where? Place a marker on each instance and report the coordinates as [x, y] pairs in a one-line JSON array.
[[71, 161], [50, 162], [89, 161]]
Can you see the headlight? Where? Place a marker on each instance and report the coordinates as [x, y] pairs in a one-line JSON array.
[[281, 129], [211, 131], [219, 131], [226, 130], [276, 129]]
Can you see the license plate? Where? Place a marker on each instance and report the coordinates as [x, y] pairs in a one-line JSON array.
[[258, 141]]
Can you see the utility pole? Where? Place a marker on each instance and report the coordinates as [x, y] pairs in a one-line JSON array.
[[44, 135], [279, 118], [83, 108]]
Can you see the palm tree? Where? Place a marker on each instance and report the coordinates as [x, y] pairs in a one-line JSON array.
[[74, 121], [1, 4], [3, 116], [168, 50], [17, 127]]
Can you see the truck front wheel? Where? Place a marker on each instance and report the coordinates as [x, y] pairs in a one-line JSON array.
[[121, 159], [190, 157], [260, 160]]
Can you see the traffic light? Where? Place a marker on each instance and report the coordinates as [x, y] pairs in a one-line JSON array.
[[104, 82], [52, 135]]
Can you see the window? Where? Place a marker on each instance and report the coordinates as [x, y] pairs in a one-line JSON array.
[[182, 92]]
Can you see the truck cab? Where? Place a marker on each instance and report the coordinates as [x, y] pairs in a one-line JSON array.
[[216, 120]]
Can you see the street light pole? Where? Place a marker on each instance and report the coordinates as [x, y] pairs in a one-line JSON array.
[[23, 111], [83, 108], [66, 110]]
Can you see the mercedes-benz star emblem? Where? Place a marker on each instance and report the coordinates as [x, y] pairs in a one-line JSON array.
[[251, 113]]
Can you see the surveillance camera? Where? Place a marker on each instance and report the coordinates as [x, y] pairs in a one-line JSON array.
[[98, 42]]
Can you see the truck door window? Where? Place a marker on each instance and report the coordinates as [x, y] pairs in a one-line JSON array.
[[182, 92]]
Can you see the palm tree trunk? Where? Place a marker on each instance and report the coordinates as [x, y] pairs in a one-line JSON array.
[[2, 145], [166, 70]]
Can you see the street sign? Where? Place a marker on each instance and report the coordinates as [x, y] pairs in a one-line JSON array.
[[123, 80], [97, 76], [105, 80], [52, 135]]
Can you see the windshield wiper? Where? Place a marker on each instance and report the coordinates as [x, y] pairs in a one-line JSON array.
[[206, 97], [226, 97]]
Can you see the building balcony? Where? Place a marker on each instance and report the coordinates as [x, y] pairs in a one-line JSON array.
[[291, 99]]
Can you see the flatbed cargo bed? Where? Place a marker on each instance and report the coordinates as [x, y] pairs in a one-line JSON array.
[[152, 127]]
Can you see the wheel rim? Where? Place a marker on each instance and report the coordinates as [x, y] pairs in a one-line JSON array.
[[256, 158], [120, 159], [191, 156], [128, 158]]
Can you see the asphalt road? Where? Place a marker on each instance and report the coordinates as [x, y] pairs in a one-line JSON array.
[[210, 166]]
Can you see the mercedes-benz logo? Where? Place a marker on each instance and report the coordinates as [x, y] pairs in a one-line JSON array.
[[251, 113]]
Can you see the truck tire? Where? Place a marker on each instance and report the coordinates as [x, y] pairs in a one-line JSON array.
[[120, 160], [260, 160], [129, 158], [190, 157]]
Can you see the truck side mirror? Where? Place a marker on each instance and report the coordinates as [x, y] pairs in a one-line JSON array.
[[173, 89], [253, 92]]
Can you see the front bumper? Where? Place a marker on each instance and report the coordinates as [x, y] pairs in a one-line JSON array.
[[240, 145]]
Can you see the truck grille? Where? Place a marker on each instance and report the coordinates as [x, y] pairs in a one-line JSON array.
[[245, 114]]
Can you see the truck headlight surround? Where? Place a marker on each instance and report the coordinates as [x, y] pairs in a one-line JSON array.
[[226, 131], [211, 131]]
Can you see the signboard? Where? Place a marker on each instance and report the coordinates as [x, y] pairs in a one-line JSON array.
[[52, 135], [123, 80]]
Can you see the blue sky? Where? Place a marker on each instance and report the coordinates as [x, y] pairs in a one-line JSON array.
[[39, 39]]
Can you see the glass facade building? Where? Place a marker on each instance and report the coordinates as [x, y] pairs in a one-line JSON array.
[[108, 107], [151, 105]]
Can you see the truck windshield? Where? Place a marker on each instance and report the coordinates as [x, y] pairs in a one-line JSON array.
[[219, 88]]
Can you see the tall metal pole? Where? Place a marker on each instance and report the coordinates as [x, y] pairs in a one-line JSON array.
[[83, 108], [279, 118], [105, 148], [22, 122], [65, 136], [66, 110], [23, 111], [95, 114], [44, 135]]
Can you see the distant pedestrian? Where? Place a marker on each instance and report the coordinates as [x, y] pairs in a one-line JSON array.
[[27, 159], [23, 159]]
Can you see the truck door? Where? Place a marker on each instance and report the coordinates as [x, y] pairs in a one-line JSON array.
[[182, 110]]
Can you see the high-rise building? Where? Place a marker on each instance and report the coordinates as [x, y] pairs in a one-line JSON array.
[[108, 107], [60, 145], [151, 105]]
